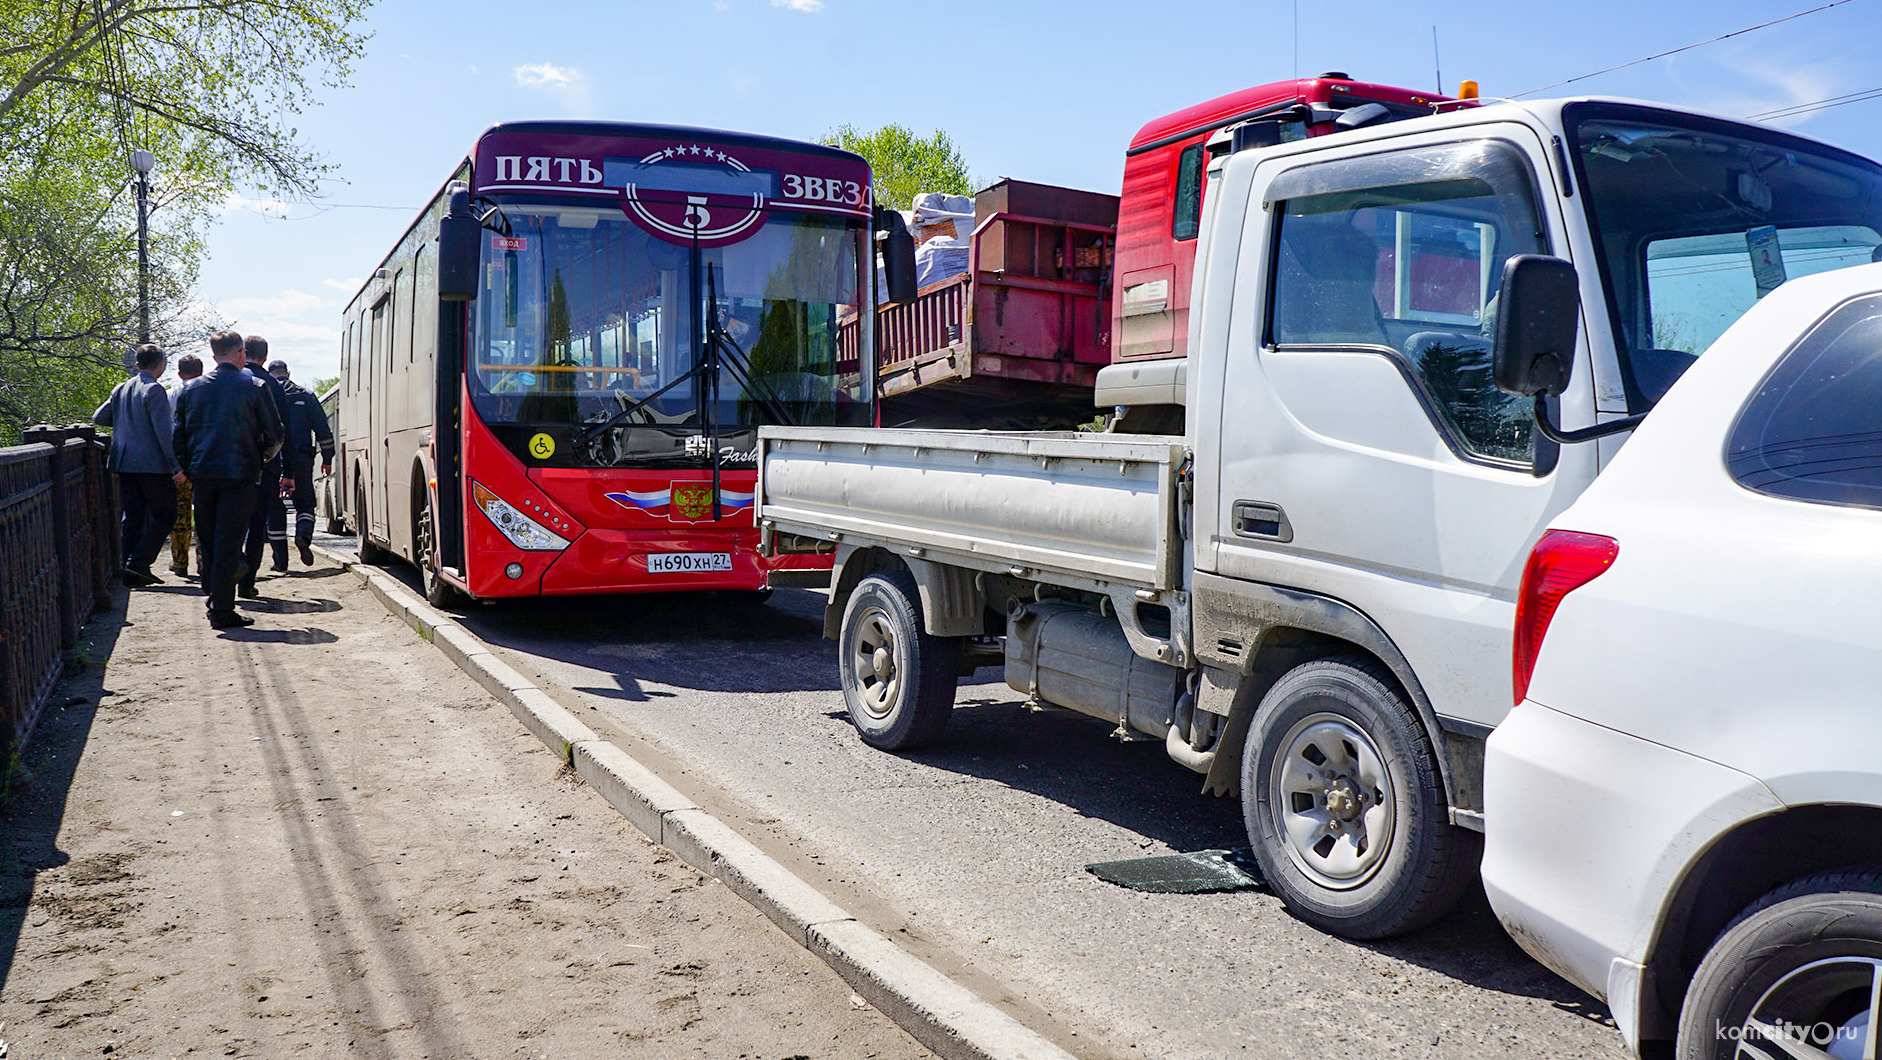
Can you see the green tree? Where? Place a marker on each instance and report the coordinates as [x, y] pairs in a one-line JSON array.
[[211, 88], [904, 164]]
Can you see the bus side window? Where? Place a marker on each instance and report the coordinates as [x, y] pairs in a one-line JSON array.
[[1187, 216]]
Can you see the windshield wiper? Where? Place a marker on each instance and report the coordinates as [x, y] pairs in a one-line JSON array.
[[738, 362]]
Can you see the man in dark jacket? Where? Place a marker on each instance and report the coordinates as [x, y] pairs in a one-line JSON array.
[[226, 432], [268, 522], [307, 428], [138, 413]]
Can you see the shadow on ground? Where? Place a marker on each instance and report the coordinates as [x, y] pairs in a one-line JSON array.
[[30, 820]]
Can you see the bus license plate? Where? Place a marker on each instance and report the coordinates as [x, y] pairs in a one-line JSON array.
[[687, 562]]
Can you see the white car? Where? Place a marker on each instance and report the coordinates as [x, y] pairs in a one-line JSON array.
[[1684, 811]]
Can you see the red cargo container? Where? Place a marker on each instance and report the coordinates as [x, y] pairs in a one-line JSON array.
[[1017, 340]]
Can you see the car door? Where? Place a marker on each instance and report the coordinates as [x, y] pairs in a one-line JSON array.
[[1366, 453]]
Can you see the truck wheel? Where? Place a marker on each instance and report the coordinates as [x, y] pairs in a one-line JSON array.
[[1345, 806], [898, 680], [369, 553], [1797, 974]]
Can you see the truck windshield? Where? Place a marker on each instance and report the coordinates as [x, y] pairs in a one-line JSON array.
[[1696, 219], [587, 320]]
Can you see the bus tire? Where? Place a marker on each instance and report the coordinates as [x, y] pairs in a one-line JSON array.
[[1345, 806], [438, 592], [898, 679], [370, 554]]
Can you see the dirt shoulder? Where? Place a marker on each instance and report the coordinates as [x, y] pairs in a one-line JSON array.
[[318, 837]]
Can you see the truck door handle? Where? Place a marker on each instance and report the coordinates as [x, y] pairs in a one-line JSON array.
[[1262, 520]]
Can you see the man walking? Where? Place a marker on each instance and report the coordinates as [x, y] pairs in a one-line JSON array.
[[189, 369], [138, 413], [268, 522], [226, 431], [307, 428]]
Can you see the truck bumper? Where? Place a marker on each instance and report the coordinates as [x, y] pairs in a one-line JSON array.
[[1589, 831]]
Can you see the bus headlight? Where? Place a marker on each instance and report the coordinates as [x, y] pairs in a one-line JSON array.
[[525, 533]]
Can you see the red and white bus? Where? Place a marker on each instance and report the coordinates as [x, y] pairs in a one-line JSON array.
[[562, 394]]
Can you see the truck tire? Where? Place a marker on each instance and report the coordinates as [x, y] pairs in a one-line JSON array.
[[369, 553], [1345, 805], [898, 680], [1801, 963]]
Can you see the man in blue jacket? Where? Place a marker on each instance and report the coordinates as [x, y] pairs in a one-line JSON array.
[[307, 430], [226, 432], [138, 413]]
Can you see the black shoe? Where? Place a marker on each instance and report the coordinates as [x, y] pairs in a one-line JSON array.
[[136, 578], [307, 553], [280, 566], [228, 620], [247, 592], [241, 572]]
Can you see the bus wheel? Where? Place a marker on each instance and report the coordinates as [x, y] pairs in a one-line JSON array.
[[370, 554], [438, 592], [898, 679], [1345, 806]]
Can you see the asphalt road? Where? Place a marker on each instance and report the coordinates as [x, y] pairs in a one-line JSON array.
[[974, 852]]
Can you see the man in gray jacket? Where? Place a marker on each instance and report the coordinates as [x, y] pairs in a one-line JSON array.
[[144, 456]]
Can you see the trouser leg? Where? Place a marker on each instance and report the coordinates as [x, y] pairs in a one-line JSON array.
[[131, 519], [278, 521], [258, 521], [154, 509], [180, 532], [304, 504], [224, 511]]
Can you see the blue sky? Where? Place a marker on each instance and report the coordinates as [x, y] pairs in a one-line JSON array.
[[1043, 91]]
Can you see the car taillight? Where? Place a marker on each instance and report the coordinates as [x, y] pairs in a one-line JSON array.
[[1561, 562]]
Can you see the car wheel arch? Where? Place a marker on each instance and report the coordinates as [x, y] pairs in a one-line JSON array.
[[1735, 870]]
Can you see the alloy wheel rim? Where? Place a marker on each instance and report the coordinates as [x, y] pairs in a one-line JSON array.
[[1825, 1010], [872, 660], [1332, 800]]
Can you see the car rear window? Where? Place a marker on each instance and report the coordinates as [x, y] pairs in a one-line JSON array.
[[1813, 430]]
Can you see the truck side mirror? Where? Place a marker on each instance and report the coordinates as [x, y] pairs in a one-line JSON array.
[[898, 255], [460, 243], [1538, 311]]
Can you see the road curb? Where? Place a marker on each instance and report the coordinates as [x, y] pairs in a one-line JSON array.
[[943, 1015]]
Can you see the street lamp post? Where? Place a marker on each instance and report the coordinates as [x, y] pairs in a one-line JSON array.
[[143, 161]]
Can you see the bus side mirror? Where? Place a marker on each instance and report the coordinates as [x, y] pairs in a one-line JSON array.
[[460, 243], [898, 255], [1538, 311]]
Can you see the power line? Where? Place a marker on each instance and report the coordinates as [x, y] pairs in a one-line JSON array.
[[1684, 48], [1821, 104]]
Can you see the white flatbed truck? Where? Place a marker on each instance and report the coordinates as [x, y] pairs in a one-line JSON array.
[[1309, 595]]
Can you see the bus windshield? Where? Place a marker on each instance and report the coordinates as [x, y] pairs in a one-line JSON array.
[[586, 320], [1695, 219]]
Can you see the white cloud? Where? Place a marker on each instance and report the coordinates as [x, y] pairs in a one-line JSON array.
[[269, 207], [302, 327], [808, 7], [1760, 82], [546, 75], [288, 303], [563, 82]]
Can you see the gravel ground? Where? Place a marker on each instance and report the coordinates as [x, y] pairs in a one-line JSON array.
[[317, 837]]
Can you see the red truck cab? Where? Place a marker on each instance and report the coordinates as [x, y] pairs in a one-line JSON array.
[[1161, 207]]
